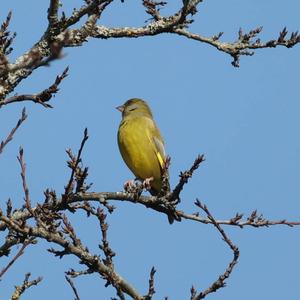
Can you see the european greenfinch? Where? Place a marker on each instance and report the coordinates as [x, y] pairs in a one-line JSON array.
[[141, 144]]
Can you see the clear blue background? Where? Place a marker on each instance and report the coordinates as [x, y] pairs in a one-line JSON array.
[[245, 121]]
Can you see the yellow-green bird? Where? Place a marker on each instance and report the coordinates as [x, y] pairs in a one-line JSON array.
[[141, 144]]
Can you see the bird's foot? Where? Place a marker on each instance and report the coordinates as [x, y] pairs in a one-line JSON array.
[[129, 185], [147, 183]]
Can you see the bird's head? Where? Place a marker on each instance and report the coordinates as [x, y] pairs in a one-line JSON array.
[[135, 107]]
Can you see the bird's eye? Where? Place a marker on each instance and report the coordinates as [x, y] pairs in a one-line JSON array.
[[132, 107]]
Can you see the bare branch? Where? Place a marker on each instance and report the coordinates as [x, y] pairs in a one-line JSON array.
[[152, 202], [51, 223], [151, 290], [220, 282], [32, 60], [6, 38], [40, 98], [152, 8], [19, 290], [184, 177], [74, 273], [19, 253], [91, 8], [52, 12], [105, 247], [13, 131], [69, 230], [73, 164], [59, 35], [23, 176], [71, 283], [242, 47], [193, 292], [10, 241], [176, 24], [237, 220], [244, 44], [101, 216], [64, 235], [92, 261]]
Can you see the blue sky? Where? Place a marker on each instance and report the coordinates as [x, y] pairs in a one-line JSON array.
[[245, 121]]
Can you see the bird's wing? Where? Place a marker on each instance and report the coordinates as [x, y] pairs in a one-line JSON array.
[[157, 141], [160, 151]]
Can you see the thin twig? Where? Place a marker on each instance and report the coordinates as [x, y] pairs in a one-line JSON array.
[[184, 177], [105, 247], [82, 253], [73, 165], [13, 131], [239, 222], [40, 98], [69, 230], [74, 273], [83, 11], [151, 290], [220, 282], [101, 216], [19, 290], [24, 183], [6, 37], [71, 283], [19, 253]]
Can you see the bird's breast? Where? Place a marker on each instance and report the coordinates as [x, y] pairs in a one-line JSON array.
[[137, 149]]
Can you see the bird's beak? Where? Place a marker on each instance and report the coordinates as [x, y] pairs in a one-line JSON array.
[[120, 108]]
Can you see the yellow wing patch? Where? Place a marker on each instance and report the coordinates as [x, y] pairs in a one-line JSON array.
[[160, 160], [156, 142]]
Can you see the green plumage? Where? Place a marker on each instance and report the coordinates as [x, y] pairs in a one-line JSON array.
[[140, 143]]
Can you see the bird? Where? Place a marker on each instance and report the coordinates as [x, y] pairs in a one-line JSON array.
[[141, 144]]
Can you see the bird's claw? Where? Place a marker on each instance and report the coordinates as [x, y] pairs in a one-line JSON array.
[[147, 183], [129, 185]]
